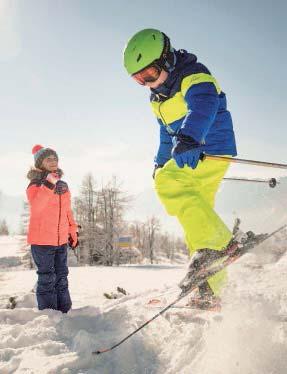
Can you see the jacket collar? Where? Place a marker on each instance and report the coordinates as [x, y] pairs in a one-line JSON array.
[[183, 61], [39, 175]]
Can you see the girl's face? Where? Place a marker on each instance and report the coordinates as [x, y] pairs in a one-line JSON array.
[[50, 163]]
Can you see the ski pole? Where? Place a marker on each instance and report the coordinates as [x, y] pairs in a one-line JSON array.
[[139, 328], [243, 161], [272, 182], [200, 278]]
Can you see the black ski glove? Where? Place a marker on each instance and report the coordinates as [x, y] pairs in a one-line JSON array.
[[61, 187], [71, 241]]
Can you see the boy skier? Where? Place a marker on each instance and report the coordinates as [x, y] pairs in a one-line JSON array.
[[193, 119]]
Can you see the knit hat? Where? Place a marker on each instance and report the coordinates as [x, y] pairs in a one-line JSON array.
[[40, 153]]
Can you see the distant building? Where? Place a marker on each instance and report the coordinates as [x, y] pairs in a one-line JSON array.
[[127, 253], [125, 242]]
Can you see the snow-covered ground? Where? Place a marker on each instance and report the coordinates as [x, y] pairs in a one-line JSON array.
[[10, 251], [249, 335]]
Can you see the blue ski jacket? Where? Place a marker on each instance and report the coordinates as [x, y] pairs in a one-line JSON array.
[[191, 100]]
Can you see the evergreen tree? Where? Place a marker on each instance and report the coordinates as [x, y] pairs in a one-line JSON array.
[[27, 259], [4, 228]]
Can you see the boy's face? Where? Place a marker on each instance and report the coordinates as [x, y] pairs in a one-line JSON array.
[[50, 163], [161, 79]]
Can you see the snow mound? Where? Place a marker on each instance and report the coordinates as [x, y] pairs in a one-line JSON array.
[[59, 343], [249, 335]]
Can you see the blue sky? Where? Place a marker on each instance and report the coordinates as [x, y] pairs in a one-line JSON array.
[[63, 84]]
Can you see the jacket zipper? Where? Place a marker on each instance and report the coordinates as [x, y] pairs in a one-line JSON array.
[[168, 128], [60, 208]]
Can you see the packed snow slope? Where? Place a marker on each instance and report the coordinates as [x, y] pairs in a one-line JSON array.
[[248, 336]]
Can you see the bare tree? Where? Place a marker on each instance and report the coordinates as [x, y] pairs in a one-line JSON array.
[[136, 230], [154, 244], [85, 213], [24, 219], [100, 213], [112, 203], [152, 226], [4, 228], [167, 245]]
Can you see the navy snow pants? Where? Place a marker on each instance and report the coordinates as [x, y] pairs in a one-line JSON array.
[[52, 287]]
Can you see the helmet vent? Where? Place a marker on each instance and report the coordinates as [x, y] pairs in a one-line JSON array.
[[153, 37], [139, 57]]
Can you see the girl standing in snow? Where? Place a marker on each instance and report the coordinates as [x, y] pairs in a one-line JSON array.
[[51, 227]]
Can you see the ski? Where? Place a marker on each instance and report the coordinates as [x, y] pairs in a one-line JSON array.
[[198, 309], [201, 277], [193, 304]]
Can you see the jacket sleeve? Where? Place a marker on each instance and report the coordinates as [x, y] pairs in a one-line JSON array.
[[39, 196], [73, 226], [165, 146], [202, 103]]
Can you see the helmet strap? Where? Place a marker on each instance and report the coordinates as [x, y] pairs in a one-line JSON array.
[[168, 55], [169, 65]]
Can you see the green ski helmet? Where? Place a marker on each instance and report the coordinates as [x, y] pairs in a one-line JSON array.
[[146, 47]]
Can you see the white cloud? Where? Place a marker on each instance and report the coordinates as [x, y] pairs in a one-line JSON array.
[[133, 168], [14, 167]]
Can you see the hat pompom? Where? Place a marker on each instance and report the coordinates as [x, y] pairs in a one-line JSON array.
[[36, 148]]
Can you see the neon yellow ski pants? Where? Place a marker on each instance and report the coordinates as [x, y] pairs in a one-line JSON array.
[[189, 194]]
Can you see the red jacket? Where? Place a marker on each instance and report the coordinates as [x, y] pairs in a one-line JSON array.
[[51, 217]]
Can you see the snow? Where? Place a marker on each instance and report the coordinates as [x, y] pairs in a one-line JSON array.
[[9, 246], [10, 251], [249, 335]]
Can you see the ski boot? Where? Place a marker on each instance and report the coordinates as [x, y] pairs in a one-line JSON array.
[[202, 259], [205, 299]]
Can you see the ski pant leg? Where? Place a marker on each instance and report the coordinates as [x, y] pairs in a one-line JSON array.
[[64, 302], [44, 257], [189, 195]]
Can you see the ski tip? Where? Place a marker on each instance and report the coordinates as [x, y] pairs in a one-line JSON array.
[[154, 301], [99, 352]]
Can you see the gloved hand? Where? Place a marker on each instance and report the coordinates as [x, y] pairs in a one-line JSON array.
[[156, 166], [186, 151], [61, 187], [73, 239], [52, 178]]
